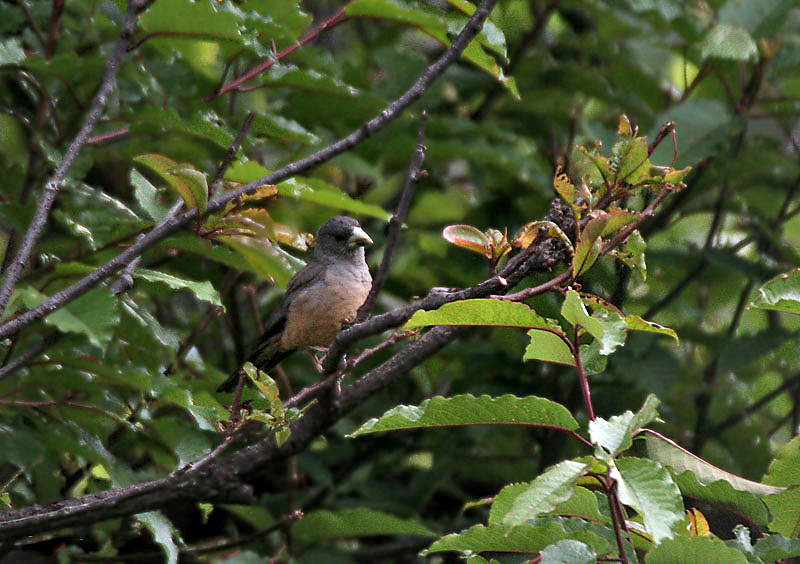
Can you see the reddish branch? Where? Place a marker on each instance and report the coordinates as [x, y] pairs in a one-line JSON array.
[[337, 18]]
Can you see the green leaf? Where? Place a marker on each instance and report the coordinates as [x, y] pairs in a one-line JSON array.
[[203, 291], [616, 434], [548, 347], [305, 189], [694, 550], [543, 494], [731, 42], [575, 312], [147, 196], [282, 128], [785, 505], [648, 488], [467, 409], [636, 323], [723, 496], [95, 314], [163, 532], [522, 539], [320, 192], [266, 385], [264, 258], [188, 182], [619, 218], [678, 459], [632, 162], [589, 245], [323, 525], [568, 551], [204, 125], [782, 293], [483, 312], [776, 547]]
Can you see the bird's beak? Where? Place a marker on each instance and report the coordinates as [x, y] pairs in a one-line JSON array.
[[358, 237]]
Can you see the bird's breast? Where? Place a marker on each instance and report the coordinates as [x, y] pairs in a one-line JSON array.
[[317, 312]]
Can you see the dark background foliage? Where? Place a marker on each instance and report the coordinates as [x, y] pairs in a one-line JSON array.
[[119, 389]]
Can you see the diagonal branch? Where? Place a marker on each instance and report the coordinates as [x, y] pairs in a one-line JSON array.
[[171, 224], [51, 188], [396, 222]]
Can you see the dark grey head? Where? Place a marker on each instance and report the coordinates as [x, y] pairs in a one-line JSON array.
[[341, 236]]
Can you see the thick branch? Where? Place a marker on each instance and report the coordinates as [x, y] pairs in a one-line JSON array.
[[171, 224], [51, 188], [218, 478]]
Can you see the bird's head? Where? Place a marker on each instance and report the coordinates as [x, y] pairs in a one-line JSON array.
[[341, 235]]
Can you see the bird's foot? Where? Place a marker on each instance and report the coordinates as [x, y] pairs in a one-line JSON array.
[[318, 357]]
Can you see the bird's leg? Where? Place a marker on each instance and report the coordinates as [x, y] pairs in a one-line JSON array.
[[318, 359]]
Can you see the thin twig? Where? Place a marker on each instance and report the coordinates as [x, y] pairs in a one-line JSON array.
[[51, 188], [396, 222], [753, 407], [24, 358], [525, 43], [334, 20], [170, 224], [231, 153]]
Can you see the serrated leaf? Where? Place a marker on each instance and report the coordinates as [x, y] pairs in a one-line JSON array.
[[782, 293], [542, 495], [632, 162], [483, 312], [467, 237], [564, 187], [589, 245], [575, 312], [568, 551], [632, 254], [694, 550], [669, 454], [617, 219], [722, 495], [615, 435], [548, 347], [94, 314], [467, 409], [648, 488], [785, 505], [522, 539], [776, 547], [203, 291], [323, 525]]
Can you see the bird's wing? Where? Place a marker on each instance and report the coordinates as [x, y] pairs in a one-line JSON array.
[[267, 351]]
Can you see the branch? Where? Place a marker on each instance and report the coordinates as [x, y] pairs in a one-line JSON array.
[[337, 18], [223, 479], [51, 188], [170, 224], [396, 222]]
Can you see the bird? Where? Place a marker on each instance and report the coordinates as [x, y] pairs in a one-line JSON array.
[[322, 296]]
